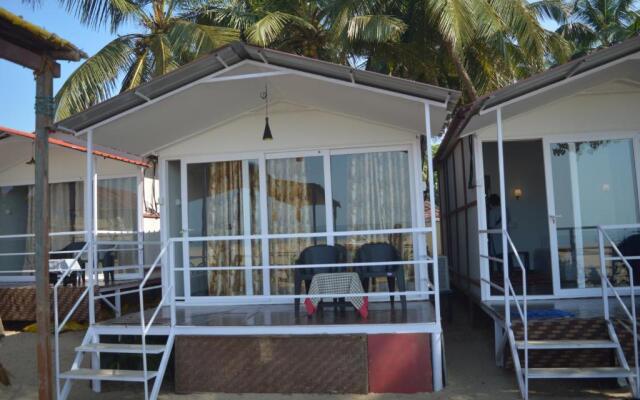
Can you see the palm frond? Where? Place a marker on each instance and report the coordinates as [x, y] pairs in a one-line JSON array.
[[270, 27], [375, 28], [96, 79], [163, 56], [139, 72], [192, 38], [555, 10], [99, 13]]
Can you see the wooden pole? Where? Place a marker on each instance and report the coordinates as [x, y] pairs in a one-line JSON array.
[[44, 108]]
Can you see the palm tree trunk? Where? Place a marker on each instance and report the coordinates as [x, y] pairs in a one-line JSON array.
[[465, 80]]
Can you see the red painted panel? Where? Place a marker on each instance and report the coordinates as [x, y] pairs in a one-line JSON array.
[[400, 363]]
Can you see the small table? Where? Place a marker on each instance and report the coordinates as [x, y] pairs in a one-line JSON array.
[[337, 283], [59, 266]]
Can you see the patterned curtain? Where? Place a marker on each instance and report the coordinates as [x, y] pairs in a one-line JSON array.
[[291, 210], [223, 208]]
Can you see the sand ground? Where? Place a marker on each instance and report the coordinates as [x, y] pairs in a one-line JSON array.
[[472, 373]]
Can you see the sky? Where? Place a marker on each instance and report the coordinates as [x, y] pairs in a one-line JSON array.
[[16, 83]]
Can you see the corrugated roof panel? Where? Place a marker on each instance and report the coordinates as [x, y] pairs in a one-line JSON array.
[[572, 68], [235, 53]]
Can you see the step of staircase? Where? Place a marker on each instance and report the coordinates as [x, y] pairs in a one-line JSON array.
[[566, 344], [579, 373], [120, 348], [122, 375]]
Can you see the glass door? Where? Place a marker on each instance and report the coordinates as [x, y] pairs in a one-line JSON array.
[[245, 222], [222, 214], [589, 183]]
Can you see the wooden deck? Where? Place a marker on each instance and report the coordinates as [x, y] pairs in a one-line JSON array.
[[272, 315]]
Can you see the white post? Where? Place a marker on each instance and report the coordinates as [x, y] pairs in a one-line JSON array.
[[436, 339], [141, 201], [89, 227], [246, 227], [503, 221], [436, 360]]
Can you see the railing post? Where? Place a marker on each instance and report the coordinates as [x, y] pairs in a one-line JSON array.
[[171, 280], [56, 344], [603, 275]]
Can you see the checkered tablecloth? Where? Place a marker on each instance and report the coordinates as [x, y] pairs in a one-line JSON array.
[[337, 283]]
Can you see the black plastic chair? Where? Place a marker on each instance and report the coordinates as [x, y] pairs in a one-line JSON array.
[[317, 254], [378, 252]]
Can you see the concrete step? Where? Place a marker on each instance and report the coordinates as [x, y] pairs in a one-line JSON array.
[[566, 344], [122, 375], [579, 373], [120, 348]]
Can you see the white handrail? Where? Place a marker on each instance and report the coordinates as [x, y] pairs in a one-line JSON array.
[[608, 286], [307, 266], [275, 236], [523, 312], [57, 326], [144, 328], [508, 292]]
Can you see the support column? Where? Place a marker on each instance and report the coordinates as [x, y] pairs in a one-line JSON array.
[[88, 226], [90, 231], [436, 338], [45, 109], [503, 219]]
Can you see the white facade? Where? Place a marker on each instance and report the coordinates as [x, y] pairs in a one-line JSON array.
[[119, 185], [571, 154]]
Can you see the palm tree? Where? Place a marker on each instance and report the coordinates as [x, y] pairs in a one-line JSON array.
[[169, 37], [476, 45], [600, 23], [332, 30]]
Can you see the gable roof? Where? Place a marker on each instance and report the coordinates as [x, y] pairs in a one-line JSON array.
[[552, 76], [235, 53]]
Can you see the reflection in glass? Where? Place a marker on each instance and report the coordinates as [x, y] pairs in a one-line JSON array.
[[594, 184], [296, 204], [117, 211], [372, 191]]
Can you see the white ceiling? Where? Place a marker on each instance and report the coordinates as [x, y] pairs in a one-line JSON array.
[[204, 105]]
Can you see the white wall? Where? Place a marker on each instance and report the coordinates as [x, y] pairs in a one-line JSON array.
[[293, 128], [609, 107], [64, 164]]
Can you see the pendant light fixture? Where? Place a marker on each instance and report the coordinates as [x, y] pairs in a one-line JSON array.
[[266, 135]]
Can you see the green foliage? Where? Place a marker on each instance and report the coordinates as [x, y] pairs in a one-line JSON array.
[[473, 45], [171, 36], [600, 23]]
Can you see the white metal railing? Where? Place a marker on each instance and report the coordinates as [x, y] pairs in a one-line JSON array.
[[25, 274], [420, 259], [145, 326], [94, 270], [59, 326], [510, 296], [607, 287]]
